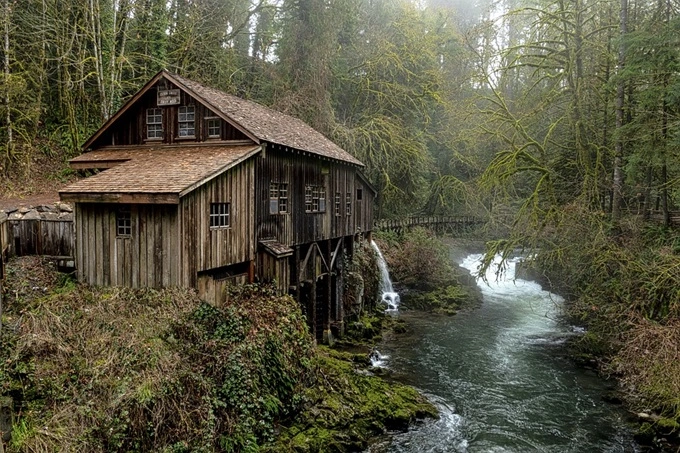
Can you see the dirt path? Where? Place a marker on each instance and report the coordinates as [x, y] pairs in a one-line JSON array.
[[29, 200]]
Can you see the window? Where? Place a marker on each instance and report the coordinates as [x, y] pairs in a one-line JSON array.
[[308, 198], [360, 194], [214, 128], [348, 201], [219, 215], [123, 222], [337, 203], [322, 199], [315, 198], [186, 121], [278, 198], [154, 124]]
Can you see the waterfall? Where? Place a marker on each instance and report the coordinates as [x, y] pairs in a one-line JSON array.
[[389, 296]]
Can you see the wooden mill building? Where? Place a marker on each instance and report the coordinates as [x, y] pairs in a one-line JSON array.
[[194, 187]]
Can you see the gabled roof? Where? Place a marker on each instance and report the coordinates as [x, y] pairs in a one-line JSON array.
[[154, 175], [260, 123]]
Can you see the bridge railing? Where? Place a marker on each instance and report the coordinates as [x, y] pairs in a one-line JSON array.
[[435, 222]]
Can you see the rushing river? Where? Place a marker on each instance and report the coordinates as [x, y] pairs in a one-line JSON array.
[[500, 378]]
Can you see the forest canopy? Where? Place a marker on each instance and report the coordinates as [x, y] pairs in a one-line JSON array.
[[510, 107]]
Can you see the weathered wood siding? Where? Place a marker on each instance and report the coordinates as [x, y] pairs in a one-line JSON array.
[[273, 269], [214, 290], [149, 257], [40, 237], [364, 196], [205, 248], [298, 170], [130, 128]]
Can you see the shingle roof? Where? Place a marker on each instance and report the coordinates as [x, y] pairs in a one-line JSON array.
[[145, 170], [267, 124]]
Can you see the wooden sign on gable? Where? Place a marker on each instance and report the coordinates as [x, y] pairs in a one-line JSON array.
[[167, 97]]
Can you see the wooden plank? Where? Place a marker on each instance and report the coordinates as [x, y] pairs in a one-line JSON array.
[[142, 229], [158, 250], [99, 249], [92, 250], [167, 256], [136, 213]]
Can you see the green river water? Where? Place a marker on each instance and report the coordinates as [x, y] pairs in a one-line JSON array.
[[501, 380]]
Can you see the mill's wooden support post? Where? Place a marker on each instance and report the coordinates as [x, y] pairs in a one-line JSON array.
[[297, 274], [340, 287], [312, 296], [327, 336]]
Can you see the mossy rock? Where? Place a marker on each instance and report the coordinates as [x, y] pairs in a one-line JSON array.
[[447, 300], [347, 407]]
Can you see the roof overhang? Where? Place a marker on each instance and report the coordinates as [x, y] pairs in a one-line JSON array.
[[154, 176], [276, 249], [122, 198]]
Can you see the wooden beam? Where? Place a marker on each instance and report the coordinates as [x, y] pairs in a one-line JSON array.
[[131, 198], [335, 253], [96, 164]]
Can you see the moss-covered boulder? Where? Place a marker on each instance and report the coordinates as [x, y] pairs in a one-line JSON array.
[[347, 406]]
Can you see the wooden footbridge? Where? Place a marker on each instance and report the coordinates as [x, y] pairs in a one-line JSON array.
[[440, 224]]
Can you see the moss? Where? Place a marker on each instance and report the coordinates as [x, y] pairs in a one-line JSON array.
[[445, 300], [346, 407]]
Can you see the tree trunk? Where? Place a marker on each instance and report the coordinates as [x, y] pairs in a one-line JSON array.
[[617, 187], [8, 112]]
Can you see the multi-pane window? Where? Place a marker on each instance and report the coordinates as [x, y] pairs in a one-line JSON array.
[[219, 215], [278, 198], [315, 198], [123, 221], [185, 120], [348, 201], [214, 128], [337, 203], [154, 123], [322, 199], [308, 198]]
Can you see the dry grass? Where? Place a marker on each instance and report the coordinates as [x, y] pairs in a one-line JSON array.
[[114, 369], [649, 366], [96, 354]]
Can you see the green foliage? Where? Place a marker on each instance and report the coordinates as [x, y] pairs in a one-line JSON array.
[[418, 259], [625, 292]]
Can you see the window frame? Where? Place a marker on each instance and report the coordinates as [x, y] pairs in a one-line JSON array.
[[208, 121], [157, 114], [186, 123], [315, 199], [124, 221], [348, 204], [338, 201], [220, 215], [278, 198]]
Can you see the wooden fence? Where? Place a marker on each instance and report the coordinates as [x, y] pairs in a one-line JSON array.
[[437, 223], [50, 238]]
